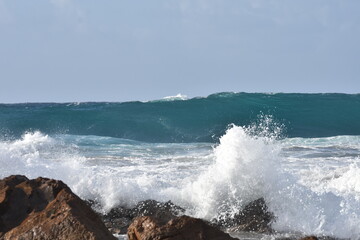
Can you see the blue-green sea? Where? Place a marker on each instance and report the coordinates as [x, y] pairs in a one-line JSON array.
[[211, 155]]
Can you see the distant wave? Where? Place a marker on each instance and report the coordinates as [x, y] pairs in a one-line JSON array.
[[189, 120], [176, 97]]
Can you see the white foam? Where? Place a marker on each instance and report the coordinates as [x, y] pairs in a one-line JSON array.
[[36, 154], [312, 195], [179, 96], [239, 174], [248, 167], [126, 174]]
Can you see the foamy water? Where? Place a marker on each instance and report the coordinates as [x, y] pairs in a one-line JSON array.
[[311, 185]]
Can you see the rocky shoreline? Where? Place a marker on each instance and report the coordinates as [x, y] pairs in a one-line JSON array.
[[45, 209], [253, 218]]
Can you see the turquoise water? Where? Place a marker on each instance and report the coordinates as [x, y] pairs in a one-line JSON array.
[[192, 120]]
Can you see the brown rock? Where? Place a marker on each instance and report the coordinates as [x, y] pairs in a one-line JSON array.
[[180, 228], [119, 219], [309, 238], [45, 209], [162, 211]]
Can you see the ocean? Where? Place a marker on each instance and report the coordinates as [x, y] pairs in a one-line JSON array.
[[210, 155]]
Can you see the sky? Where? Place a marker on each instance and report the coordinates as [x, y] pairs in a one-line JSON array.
[[119, 50]]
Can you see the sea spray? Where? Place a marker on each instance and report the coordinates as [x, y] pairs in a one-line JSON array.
[[247, 167], [243, 167], [109, 170], [36, 154], [308, 191]]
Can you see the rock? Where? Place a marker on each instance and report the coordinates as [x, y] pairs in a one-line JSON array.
[[254, 217], [119, 219], [184, 227], [115, 222], [163, 212], [309, 238], [45, 209]]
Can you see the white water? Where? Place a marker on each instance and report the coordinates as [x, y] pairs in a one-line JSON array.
[[179, 96], [311, 185]]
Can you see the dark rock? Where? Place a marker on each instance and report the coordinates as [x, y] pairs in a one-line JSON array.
[[184, 227], [164, 212], [303, 237], [117, 223], [254, 217], [119, 218], [45, 209], [328, 238]]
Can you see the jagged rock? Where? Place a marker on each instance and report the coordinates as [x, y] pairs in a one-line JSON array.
[[184, 227], [164, 212], [45, 209], [119, 219], [254, 217]]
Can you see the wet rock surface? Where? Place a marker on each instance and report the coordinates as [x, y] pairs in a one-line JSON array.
[[119, 219], [254, 217], [184, 227], [156, 220], [45, 209], [320, 238]]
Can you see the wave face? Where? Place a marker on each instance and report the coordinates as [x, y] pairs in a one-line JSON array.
[[188, 120]]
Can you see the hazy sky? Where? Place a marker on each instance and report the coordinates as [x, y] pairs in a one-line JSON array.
[[118, 50]]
